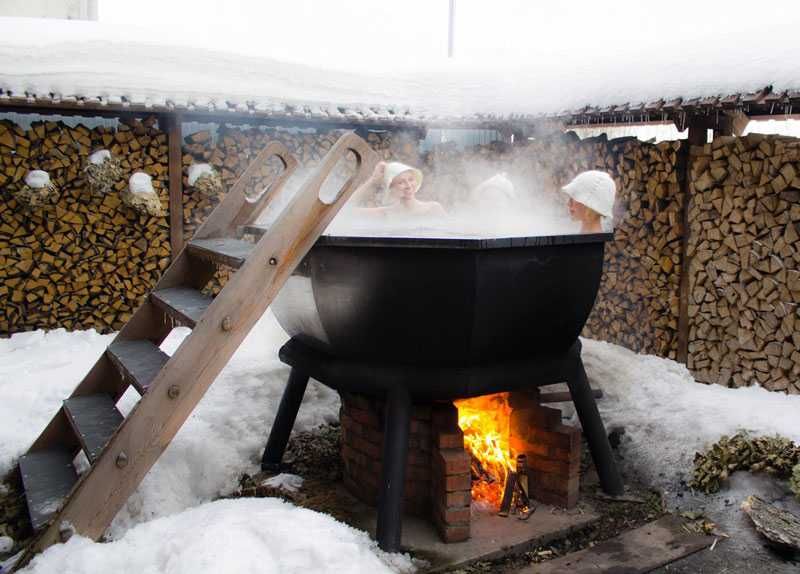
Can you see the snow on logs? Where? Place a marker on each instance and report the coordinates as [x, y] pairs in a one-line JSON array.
[[744, 283], [85, 260]]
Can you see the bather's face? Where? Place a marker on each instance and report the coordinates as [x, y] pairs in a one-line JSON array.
[[579, 212], [404, 185]]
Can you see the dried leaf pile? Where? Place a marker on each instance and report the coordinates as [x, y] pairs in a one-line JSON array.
[[36, 196], [209, 184], [774, 455], [104, 177]]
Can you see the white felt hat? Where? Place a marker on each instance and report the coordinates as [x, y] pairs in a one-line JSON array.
[[395, 168], [594, 189]]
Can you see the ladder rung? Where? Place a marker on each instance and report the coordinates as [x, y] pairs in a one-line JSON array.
[[48, 476], [225, 250], [95, 418], [139, 361], [182, 303]]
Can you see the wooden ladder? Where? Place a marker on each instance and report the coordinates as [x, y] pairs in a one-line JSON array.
[[122, 450]]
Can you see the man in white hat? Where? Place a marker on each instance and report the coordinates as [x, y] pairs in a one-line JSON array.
[[591, 200], [399, 185]]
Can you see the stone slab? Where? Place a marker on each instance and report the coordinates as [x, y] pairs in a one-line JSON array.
[[491, 537]]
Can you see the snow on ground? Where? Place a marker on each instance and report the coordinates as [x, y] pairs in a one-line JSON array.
[[259, 536], [171, 525], [668, 417], [551, 72]]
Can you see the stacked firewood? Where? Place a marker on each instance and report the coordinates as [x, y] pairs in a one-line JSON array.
[[83, 260], [744, 254]]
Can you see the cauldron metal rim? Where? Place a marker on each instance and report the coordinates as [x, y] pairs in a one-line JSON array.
[[463, 242]]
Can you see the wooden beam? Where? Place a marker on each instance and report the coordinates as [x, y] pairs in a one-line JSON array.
[[172, 125], [697, 136]]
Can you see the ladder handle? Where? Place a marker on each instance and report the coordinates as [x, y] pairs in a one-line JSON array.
[[250, 211], [366, 158]]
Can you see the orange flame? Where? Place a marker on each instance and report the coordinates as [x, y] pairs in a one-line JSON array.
[[485, 422]]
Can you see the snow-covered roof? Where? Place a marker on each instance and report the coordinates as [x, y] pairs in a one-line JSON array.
[[95, 66]]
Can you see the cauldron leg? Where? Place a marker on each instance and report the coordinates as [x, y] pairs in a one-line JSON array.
[[595, 431], [284, 420], [393, 472]]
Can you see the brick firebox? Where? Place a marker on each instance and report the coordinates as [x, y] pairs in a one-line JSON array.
[[438, 477]]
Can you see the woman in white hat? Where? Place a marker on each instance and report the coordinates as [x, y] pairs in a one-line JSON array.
[[399, 185], [591, 200]]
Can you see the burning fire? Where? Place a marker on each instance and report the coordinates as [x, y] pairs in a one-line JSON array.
[[485, 422]]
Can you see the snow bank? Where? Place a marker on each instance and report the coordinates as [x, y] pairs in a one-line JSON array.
[[261, 536], [285, 481], [37, 179], [668, 417], [142, 184], [550, 74], [99, 157], [197, 170]]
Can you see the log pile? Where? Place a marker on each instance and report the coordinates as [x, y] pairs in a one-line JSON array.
[[86, 260], [744, 283]]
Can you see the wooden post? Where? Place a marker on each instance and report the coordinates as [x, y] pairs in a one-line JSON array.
[[697, 136], [172, 125]]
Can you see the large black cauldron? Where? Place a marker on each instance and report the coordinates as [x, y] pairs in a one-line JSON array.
[[438, 319], [443, 302]]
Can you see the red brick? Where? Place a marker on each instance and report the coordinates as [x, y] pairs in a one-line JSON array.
[[556, 483], [551, 466], [454, 439], [520, 446], [457, 482], [534, 417], [457, 498], [420, 428], [352, 426], [554, 438], [418, 472], [454, 515], [452, 460], [567, 455]]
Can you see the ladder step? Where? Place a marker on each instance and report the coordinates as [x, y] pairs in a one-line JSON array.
[[228, 251], [95, 418], [139, 361], [182, 303], [48, 476]]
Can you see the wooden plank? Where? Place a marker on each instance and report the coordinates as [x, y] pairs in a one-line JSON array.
[[173, 125], [183, 304], [635, 551], [179, 387], [95, 419], [224, 250], [47, 476], [138, 361]]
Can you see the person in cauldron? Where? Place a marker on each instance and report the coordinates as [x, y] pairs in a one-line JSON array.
[[591, 201], [399, 184]]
